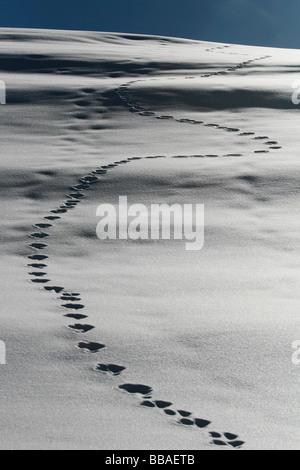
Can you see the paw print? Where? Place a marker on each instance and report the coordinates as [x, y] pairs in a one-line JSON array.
[[227, 439]]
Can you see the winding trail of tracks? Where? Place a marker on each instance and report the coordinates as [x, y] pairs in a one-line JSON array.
[[72, 301], [134, 106]]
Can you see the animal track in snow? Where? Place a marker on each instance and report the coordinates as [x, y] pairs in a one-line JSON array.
[[148, 404], [73, 306], [124, 97], [81, 328], [186, 422], [136, 389], [76, 316], [182, 417], [156, 404], [39, 235], [184, 414], [217, 48], [55, 289], [69, 298], [76, 195], [50, 217], [185, 418], [40, 281], [110, 368], [59, 211], [227, 439], [170, 412], [91, 347], [37, 266], [42, 226], [89, 179], [37, 274], [71, 294], [38, 246], [38, 257], [162, 404]]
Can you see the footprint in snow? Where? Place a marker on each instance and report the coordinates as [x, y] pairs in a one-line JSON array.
[[55, 289], [136, 389], [165, 117], [100, 172], [37, 274], [89, 180], [37, 266], [76, 195], [38, 257], [76, 316], [42, 226], [71, 294], [200, 423], [147, 113], [185, 414], [40, 281], [81, 328], [59, 211], [80, 187], [110, 369], [227, 439], [156, 404], [39, 235], [38, 246], [69, 298], [73, 306], [50, 217], [233, 155], [91, 347]]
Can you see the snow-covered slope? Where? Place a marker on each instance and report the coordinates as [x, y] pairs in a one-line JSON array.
[[207, 335]]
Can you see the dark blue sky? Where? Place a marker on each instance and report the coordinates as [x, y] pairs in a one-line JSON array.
[[257, 22]]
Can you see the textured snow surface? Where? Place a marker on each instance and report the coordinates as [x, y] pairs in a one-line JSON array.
[[143, 345]]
